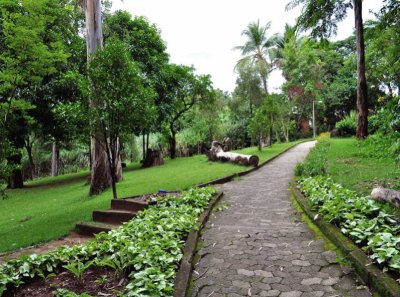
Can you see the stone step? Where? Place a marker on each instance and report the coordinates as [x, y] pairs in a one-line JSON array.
[[113, 216], [92, 228], [128, 204]]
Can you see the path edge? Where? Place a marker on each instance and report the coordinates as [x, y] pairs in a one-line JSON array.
[[184, 274], [373, 277], [230, 177]]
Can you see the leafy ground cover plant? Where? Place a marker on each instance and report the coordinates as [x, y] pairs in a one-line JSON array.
[[148, 248], [366, 222]]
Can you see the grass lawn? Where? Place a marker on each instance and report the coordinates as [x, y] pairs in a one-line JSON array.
[[48, 208], [356, 167]]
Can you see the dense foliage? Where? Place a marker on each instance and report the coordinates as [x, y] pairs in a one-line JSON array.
[[365, 221], [147, 249]]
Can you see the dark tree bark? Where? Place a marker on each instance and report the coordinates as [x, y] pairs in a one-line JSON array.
[[153, 158], [172, 145], [15, 180], [32, 166], [362, 96], [143, 146], [55, 159]]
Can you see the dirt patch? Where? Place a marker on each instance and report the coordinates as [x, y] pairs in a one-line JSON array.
[[346, 160], [70, 240], [95, 281]]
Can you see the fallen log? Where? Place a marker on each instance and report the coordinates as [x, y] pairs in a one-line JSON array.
[[386, 195], [217, 153]]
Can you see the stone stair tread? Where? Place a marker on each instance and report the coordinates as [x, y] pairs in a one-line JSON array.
[[116, 211]]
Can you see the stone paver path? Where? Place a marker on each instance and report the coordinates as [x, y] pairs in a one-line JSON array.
[[260, 247]]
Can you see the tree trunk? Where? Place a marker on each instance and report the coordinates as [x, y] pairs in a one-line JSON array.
[[55, 159], [264, 81], [362, 96], [172, 146], [32, 167], [100, 178], [143, 146], [153, 158], [259, 142], [147, 142], [172, 143], [15, 180], [118, 163]]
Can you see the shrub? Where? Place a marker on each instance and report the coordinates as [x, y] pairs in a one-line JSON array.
[[316, 162], [348, 125], [363, 220], [148, 248]]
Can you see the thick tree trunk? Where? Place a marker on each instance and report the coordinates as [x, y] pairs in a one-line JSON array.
[[100, 177], [153, 158], [172, 146], [362, 96], [217, 153], [55, 159], [15, 180]]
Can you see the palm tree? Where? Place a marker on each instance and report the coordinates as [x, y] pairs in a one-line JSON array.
[[289, 36], [258, 50]]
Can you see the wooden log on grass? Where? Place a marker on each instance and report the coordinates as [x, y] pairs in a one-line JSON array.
[[217, 154], [386, 195]]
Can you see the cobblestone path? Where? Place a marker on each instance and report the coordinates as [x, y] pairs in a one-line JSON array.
[[259, 246]]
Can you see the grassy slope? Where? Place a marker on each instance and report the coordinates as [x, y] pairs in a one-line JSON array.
[[49, 208], [349, 165]]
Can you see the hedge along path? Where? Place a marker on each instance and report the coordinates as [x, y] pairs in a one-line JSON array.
[[259, 246]]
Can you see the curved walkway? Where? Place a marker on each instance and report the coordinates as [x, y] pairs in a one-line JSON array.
[[259, 246]]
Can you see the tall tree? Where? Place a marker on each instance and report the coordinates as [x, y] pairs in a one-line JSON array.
[[118, 88], [322, 18], [100, 178], [29, 53], [184, 90], [257, 49]]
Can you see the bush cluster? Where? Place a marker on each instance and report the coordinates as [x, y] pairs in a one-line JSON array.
[[147, 249], [348, 125], [363, 220], [316, 162]]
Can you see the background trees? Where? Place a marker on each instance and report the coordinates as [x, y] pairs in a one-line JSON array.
[[46, 103], [322, 18], [118, 88]]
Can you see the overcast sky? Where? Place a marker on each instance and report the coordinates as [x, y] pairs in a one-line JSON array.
[[203, 33]]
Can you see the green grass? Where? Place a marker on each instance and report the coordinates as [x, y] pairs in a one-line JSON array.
[[48, 208], [358, 168]]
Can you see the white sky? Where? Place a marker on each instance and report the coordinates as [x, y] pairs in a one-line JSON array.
[[203, 33]]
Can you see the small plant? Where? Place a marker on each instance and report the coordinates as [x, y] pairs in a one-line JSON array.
[[116, 264], [78, 268], [102, 280], [67, 293], [348, 125]]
